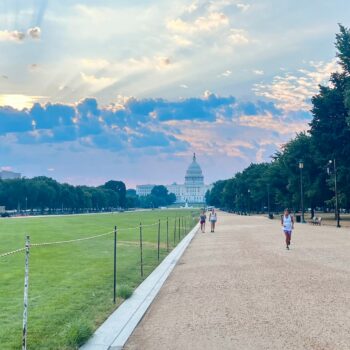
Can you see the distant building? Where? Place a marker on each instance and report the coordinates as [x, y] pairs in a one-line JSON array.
[[192, 191], [144, 190], [9, 175]]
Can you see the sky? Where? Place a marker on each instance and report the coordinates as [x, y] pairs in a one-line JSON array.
[[129, 90]]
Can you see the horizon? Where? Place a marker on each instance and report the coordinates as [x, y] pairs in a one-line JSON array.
[[85, 97]]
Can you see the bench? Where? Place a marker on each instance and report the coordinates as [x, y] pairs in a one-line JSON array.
[[316, 221]]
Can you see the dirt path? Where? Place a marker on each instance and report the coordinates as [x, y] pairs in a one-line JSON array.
[[240, 289]]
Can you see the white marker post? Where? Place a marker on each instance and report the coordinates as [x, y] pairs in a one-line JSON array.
[[26, 285]]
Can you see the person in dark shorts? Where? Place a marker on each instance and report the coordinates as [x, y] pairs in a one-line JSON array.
[[202, 220], [287, 222]]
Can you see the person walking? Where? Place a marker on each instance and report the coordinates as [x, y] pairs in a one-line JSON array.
[[202, 220], [287, 222], [213, 219]]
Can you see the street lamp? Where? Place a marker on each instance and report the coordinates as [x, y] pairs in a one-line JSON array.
[[301, 167], [26, 205], [335, 189], [248, 201], [268, 200]]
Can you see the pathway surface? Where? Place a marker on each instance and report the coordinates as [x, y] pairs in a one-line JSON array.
[[240, 289]]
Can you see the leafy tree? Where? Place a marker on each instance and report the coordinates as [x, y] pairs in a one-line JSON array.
[[120, 188]]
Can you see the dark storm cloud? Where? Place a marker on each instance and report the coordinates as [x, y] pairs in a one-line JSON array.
[[13, 120], [139, 123]]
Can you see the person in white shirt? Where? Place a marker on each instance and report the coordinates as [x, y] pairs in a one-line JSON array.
[[287, 222], [213, 218]]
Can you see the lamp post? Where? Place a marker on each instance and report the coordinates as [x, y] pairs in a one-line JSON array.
[[335, 190], [301, 167], [248, 201], [268, 201], [26, 205]]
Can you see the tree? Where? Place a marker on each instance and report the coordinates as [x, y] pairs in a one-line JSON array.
[[120, 188]]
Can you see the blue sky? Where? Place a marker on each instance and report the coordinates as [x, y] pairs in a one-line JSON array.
[[94, 90]]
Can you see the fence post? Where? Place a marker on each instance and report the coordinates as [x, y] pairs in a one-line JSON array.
[[141, 255], [26, 286], [167, 234], [158, 239], [179, 228], [175, 233], [115, 266]]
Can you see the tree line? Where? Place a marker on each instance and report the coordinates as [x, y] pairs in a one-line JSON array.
[[314, 161], [45, 194]]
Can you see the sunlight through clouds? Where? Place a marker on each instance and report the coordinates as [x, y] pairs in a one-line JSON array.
[[18, 101], [292, 92], [125, 80]]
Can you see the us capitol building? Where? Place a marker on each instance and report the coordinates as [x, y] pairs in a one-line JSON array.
[[192, 191]]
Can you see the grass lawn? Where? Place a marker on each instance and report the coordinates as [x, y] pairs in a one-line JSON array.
[[71, 285]]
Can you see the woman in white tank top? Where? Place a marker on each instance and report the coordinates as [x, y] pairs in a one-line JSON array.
[[287, 222]]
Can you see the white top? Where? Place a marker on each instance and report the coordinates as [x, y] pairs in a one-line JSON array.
[[287, 223], [212, 217]]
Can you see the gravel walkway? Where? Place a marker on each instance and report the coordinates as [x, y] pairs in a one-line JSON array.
[[240, 289]]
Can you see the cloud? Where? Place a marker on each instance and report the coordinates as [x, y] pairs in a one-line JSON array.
[[226, 74], [15, 35], [258, 72], [34, 32], [269, 122], [207, 23], [211, 124], [292, 92], [19, 36], [94, 63], [243, 7], [97, 83], [13, 120], [238, 37]]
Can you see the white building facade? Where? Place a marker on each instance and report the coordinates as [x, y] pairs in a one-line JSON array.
[[192, 191]]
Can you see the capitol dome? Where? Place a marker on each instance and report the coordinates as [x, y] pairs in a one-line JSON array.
[[194, 175]]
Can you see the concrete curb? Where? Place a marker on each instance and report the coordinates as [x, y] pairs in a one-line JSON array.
[[115, 331]]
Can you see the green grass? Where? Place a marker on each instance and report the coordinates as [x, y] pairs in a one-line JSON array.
[[71, 285]]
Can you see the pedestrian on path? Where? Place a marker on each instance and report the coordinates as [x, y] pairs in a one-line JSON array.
[[287, 222], [202, 220], [213, 219]]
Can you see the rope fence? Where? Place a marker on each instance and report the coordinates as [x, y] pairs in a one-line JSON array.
[[161, 242]]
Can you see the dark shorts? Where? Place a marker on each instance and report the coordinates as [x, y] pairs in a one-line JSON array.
[[202, 222]]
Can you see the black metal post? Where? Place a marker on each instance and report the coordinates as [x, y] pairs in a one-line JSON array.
[[175, 232], [141, 253], [268, 200], [336, 194], [179, 229], [248, 202], [302, 193], [115, 266], [167, 234], [158, 240]]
